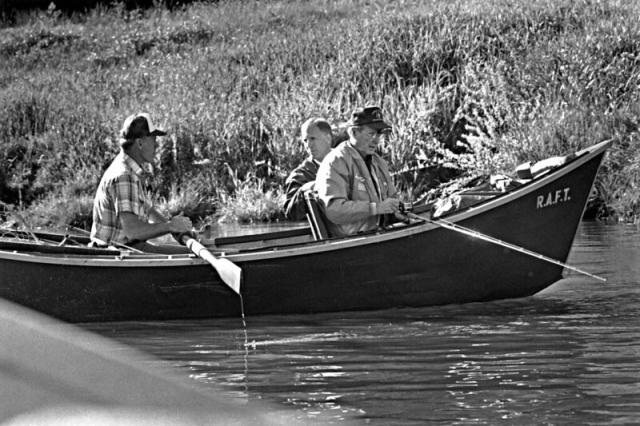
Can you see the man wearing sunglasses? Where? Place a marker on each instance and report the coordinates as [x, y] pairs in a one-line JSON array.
[[353, 183]]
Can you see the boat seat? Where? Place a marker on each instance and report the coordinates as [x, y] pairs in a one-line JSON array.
[[240, 239], [315, 216]]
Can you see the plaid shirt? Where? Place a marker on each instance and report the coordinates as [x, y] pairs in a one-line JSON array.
[[120, 191]]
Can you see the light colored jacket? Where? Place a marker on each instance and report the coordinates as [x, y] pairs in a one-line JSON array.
[[346, 190]]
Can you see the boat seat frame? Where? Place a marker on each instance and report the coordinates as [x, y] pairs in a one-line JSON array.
[[316, 217]]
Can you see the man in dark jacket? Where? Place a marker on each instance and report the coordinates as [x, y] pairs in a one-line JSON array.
[[316, 134]]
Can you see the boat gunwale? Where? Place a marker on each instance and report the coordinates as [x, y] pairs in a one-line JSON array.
[[312, 247]]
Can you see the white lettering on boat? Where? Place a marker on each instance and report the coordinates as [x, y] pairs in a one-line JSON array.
[[553, 198]]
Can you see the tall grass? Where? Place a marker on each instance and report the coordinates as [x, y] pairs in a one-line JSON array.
[[473, 86]]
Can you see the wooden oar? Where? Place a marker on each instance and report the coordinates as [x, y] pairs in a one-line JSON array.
[[228, 271], [475, 234]]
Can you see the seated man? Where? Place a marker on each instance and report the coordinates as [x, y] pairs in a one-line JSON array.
[[316, 135], [353, 183], [122, 212]]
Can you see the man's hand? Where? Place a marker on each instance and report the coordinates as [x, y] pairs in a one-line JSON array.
[[180, 224], [388, 206]]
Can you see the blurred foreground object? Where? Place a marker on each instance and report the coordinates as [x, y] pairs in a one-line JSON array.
[[56, 374]]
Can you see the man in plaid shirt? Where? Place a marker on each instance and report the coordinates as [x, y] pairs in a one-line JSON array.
[[122, 211]]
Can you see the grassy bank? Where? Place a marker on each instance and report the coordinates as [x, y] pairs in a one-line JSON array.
[[473, 86]]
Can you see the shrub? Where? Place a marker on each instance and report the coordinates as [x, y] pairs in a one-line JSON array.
[[470, 87], [251, 203]]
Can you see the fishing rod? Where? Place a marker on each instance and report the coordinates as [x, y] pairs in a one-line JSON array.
[[26, 226], [475, 234], [120, 245], [228, 271]]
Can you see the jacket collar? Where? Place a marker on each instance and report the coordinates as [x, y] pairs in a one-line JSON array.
[[364, 170]]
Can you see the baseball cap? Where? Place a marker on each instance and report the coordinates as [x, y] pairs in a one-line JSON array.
[[138, 126], [368, 116]]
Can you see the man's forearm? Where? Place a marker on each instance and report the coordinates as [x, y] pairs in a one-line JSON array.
[[146, 231], [343, 211], [136, 229]]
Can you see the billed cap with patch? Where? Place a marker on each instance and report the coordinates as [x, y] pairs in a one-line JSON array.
[[368, 116], [139, 126]]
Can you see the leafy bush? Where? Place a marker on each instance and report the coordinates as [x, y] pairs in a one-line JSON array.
[[251, 203]]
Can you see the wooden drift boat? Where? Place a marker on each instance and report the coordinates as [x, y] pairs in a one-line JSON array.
[[420, 264]]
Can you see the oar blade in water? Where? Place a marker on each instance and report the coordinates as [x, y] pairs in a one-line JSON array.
[[229, 272]]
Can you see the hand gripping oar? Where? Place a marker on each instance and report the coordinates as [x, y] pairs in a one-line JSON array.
[[459, 228], [228, 271]]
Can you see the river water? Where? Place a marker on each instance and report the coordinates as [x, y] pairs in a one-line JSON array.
[[568, 355]]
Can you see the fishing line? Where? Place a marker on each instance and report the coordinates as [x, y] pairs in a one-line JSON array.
[[246, 347]]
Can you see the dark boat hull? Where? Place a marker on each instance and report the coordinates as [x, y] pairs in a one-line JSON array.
[[419, 265]]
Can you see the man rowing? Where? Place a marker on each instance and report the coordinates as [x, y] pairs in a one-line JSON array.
[[123, 214], [316, 134], [353, 183]]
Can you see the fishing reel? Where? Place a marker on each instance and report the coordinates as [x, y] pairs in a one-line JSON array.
[[405, 207]]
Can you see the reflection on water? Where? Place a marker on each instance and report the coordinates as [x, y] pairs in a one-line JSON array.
[[569, 355]]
